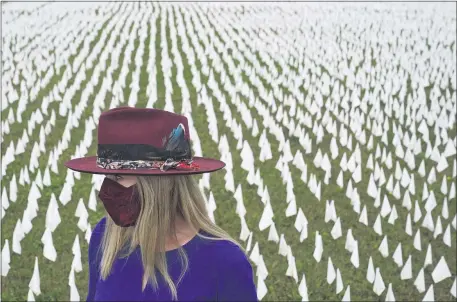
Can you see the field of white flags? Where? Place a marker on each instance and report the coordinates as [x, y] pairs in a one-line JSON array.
[[337, 122]]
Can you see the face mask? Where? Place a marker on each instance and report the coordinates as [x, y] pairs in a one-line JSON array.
[[121, 203]]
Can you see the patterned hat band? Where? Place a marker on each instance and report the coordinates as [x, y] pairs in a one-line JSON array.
[[163, 165]]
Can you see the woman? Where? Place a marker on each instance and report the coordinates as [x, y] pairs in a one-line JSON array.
[[157, 242]]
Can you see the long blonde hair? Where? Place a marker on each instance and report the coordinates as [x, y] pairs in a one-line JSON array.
[[162, 199]]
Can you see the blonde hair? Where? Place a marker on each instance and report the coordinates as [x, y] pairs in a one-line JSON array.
[[162, 199]]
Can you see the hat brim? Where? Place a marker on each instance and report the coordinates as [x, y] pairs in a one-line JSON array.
[[89, 165]]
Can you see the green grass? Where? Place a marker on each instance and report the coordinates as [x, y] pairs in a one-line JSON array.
[[54, 275]]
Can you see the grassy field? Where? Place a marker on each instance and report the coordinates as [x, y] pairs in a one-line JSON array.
[[54, 275]]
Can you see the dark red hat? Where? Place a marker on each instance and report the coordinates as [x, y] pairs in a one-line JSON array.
[[143, 141]]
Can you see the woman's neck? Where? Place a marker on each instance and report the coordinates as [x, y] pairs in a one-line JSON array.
[[184, 233]]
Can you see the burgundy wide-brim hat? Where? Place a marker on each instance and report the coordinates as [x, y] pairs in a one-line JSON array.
[[143, 141]]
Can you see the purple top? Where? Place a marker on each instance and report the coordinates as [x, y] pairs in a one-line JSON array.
[[218, 271]]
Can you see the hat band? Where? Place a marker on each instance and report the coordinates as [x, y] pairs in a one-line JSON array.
[[142, 156], [110, 164]]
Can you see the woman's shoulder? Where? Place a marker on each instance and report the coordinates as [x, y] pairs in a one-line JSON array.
[[231, 268], [97, 232], [223, 250], [95, 240], [100, 226]]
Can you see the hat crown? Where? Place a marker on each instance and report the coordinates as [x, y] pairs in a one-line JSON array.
[[129, 125]]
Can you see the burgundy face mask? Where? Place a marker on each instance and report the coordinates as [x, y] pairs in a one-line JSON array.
[[121, 203]]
